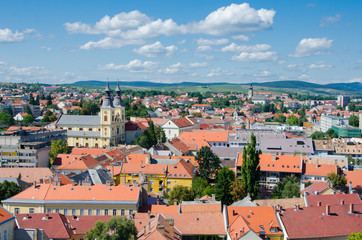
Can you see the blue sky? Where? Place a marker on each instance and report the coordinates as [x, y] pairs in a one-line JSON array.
[[175, 41]]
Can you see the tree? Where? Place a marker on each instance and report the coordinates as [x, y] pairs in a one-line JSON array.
[[28, 119], [224, 179], [31, 99], [354, 121], [208, 163], [8, 189], [90, 109], [56, 147], [287, 188], [180, 193], [331, 133], [237, 190], [250, 169], [198, 186], [355, 236], [6, 118], [293, 121], [37, 100], [318, 135], [160, 135], [116, 228], [151, 137], [49, 100], [338, 181]]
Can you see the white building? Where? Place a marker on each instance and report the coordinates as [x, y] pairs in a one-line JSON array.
[[327, 121]]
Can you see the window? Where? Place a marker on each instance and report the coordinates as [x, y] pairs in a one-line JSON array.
[[74, 211], [49, 210], [105, 118], [151, 182], [17, 210], [65, 211], [151, 189], [69, 128], [114, 212], [123, 212], [90, 212], [31, 210], [98, 211], [106, 212], [168, 183], [90, 129], [81, 211], [80, 129], [77, 144], [5, 234], [170, 175], [168, 189], [130, 211], [57, 210]]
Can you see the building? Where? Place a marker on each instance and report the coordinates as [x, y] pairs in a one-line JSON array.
[[315, 172], [250, 92], [71, 199], [7, 223], [27, 148], [160, 177], [327, 121], [347, 131], [321, 222], [174, 127], [343, 100], [105, 129], [252, 223]]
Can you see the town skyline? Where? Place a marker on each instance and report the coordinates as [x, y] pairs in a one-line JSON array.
[[234, 42]]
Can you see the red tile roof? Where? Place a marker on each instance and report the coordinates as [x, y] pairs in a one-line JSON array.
[[332, 199], [27, 174], [84, 163], [55, 225], [257, 218], [159, 209], [313, 222], [4, 215], [315, 188], [81, 224], [99, 192], [201, 207], [319, 169], [355, 177]]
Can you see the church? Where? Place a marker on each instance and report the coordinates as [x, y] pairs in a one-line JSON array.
[[104, 130]]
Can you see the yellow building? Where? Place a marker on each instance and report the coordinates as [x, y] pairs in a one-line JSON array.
[[159, 177], [73, 199], [105, 129]]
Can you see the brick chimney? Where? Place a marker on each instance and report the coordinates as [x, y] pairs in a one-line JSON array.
[[319, 203], [328, 209], [351, 208], [342, 202]]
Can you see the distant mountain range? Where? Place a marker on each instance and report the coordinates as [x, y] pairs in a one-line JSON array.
[[355, 86]]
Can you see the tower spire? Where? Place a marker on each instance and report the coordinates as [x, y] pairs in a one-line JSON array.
[[107, 102], [117, 99]]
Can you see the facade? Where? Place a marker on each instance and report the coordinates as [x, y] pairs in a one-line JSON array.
[[7, 222], [343, 100], [70, 199], [347, 131], [174, 127], [106, 129], [27, 148], [327, 121]]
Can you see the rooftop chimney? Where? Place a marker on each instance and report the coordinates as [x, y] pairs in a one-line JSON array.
[[351, 208], [319, 203], [328, 209], [148, 214], [274, 157], [342, 202], [213, 197], [175, 202]]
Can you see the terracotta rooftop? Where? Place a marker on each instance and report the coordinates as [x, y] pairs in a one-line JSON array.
[[319, 169], [193, 207], [283, 203], [314, 222], [55, 225], [5, 215], [332, 199], [315, 188], [27, 174], [82, 163]]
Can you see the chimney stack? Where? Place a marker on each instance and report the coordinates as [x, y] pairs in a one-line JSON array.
[[351, 208], [342, 202], [148, 214], [350, 188], [213, 197], [319, 203], [328, 209], [175, 202]]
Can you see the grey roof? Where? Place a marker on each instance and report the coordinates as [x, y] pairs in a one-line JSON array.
[[100, 176], [245, 202], [84, 134], [229, 163], [227, 152], [19, 182], [79, 120], [288, 145]]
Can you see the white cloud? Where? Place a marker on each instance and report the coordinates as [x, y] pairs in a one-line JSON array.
[[175, 68], [133, 27], [303, 76], [329, 20], [292, 66], [320, 65], [241, 37], [198, 64], [221, 41], [234, 19], [204, 48], [110, 43], [312, 46], [246, 48], [46, 48], [7, 35], [133, 66], [219, 72], [156, 50], [264, 73]]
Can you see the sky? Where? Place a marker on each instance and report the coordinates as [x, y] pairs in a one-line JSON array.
[[65, 41]]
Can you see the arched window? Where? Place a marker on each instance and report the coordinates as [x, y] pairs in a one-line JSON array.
[[105, 118], [117, 130]]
